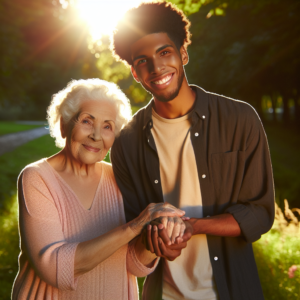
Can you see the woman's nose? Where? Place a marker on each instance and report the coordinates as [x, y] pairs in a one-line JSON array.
[[96, 134]]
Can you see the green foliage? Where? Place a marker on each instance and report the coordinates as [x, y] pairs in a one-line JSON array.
[[275, 253], [284, 147]]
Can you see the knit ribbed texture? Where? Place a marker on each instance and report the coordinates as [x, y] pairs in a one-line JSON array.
[[53, 222]]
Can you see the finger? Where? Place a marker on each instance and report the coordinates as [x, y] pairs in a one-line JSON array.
[[154, 236], [178, 246], [182, 229], [167, 252], [176, 230], [149, 240], [170, 227], [162, 232], [164, 221], [185, 218]]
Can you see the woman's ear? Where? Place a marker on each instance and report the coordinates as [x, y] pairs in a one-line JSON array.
[[62, 128], [134, 74], [184, 56]]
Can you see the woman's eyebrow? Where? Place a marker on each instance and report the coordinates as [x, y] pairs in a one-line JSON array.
[[109, 121]]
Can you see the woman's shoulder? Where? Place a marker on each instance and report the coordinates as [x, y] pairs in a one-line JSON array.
[[38, 169]]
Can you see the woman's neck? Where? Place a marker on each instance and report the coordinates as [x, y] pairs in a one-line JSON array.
[[64, 162]]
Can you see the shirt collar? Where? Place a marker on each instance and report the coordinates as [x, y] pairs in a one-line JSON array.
[[201, 106]]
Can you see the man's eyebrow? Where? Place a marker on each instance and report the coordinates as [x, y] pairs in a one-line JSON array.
[[163, 47], [158, 50]]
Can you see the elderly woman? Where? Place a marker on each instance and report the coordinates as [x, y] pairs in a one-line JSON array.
[[74, 240]]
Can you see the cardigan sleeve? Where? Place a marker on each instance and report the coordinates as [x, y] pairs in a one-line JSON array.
[[134, 266], [42, 238], [254, 210]]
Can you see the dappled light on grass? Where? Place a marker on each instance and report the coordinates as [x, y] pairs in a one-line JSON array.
[[9, 248], [276, 252]]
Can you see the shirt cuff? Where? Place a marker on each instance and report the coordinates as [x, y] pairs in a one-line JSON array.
[[65, 267], [135, 266], [249, 224]]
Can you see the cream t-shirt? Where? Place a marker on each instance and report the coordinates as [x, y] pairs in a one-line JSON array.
[[190, 275]]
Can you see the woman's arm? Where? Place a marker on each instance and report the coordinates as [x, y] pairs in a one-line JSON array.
[[54, 259], [90, 253]]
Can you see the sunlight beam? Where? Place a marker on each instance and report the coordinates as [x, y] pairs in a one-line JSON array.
[[102, 15]]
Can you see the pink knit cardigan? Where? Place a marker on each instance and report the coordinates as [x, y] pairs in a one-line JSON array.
[[52, 222]]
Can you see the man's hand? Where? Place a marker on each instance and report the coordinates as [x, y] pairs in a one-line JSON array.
[[174, 226], [157, 241]]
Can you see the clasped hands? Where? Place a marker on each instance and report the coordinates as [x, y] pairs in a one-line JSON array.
[[167, 236]]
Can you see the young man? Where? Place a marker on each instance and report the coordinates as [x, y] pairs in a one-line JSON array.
[[202, 152]]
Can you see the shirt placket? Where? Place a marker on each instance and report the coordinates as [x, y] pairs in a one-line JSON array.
[[152, 163]]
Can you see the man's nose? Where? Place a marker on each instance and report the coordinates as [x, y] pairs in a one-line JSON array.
[[156, 66]]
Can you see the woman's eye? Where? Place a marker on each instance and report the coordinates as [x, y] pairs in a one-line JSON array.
[[107, 127], [85, 121]]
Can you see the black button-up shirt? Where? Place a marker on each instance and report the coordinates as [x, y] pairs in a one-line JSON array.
[[235, 176]]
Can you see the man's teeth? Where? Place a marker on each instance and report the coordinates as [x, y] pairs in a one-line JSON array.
[[164, 80]]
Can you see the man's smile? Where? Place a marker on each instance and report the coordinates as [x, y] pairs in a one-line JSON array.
[[163, 80]]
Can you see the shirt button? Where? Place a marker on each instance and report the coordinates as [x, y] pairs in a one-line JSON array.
[[207, 216], [216, 258], [148, 141], [155, 181], [203, 117], [196, 134], [203, 176]]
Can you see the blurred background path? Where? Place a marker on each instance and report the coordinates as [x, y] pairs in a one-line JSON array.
[[9, 142]]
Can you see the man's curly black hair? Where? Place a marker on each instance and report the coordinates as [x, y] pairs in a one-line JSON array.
[[146, 19]]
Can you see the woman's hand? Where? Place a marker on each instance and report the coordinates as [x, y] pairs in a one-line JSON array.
[[154, 211]]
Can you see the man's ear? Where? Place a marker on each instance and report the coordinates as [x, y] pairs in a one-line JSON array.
[[134, 74], [184, 56]]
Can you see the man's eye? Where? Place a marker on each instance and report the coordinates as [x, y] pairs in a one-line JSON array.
[[164, 52], [141, 61]]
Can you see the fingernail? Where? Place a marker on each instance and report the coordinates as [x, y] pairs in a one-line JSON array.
[[149, 227], [154, 228]]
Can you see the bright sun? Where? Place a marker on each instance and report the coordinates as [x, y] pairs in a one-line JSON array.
[[102, 15]]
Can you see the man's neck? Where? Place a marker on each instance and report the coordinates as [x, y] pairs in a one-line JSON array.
[[179, 106]]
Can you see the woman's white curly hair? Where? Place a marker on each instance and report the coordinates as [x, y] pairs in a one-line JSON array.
[[66, 104]]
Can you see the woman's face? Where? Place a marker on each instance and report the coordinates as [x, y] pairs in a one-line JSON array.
[[91, 133]]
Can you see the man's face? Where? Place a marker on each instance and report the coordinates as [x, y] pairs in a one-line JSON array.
[[158, 65]]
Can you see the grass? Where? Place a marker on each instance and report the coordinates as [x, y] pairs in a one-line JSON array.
[[11, 165], [275, 253], [12, 127]]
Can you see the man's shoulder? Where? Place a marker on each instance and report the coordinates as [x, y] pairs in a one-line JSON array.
[[228, 108], [229, 104], [132, 132], [135, 125]]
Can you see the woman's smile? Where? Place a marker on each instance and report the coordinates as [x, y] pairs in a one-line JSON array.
[[90, 148]]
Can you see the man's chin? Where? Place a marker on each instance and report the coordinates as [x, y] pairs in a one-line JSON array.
[[166, 98]]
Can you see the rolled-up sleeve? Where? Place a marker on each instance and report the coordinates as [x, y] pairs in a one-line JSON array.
[[42, 238], [134, 266], [254, 210]]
